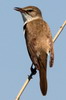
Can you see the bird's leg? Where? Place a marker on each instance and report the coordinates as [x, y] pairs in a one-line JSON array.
[[33, 69], [33, 72]]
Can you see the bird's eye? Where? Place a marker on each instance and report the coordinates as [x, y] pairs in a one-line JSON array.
[[30, 10]]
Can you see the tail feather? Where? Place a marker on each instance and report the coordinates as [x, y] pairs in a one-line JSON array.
[[51, 57], [51, 60], [42, 73]]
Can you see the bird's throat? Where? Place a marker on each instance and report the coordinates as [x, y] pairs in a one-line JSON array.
[[31, 19]]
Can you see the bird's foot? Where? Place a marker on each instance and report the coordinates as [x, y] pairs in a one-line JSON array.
[[33, 72]]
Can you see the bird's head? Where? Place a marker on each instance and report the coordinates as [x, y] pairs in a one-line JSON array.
[[29, 12]]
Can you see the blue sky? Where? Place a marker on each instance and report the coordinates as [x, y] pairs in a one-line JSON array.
[[14, 60]]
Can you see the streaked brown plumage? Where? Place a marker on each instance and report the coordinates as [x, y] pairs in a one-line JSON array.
[[39, 42]]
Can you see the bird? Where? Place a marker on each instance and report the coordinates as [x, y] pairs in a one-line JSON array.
[[38, 41]]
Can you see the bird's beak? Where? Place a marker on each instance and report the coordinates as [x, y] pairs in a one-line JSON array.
[[20, 10]]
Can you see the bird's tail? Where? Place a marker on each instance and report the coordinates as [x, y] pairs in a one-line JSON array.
[[51, 57], [42, 73]]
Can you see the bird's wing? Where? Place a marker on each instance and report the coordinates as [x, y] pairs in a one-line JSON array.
[[50, 42]]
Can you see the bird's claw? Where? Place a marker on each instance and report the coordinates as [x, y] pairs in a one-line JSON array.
[[33, 72]]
